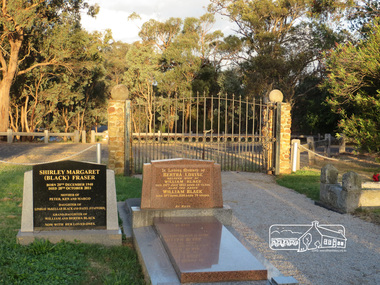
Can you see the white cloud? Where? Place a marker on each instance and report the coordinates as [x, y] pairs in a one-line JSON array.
[[114, 15]]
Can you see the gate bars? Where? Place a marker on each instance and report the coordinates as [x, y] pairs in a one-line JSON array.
[[238, 134]]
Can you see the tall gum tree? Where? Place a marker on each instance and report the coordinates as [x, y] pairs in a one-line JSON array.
[[279, 47], [19, 19]]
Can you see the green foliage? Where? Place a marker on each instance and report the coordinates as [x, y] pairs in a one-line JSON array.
[[127, 187], [354, 83], [175, 58], [230, 82], [310, 113], [114, 62], [34, 35], [41, 263], [303, 181], [280, 43], [63, 98]]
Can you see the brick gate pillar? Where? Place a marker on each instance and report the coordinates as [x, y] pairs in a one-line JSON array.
[[118, 129], [283, 118]]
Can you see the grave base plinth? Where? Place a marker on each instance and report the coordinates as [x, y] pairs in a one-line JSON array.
[[104, 237]]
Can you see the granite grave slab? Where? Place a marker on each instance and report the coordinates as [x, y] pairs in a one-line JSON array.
[[203, 250]]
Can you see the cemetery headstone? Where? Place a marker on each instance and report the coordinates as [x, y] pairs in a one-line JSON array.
[[182, 200], [70, 200], [69, 195], [181, 184]]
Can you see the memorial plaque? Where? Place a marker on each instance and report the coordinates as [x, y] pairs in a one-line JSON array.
[[69, 195], [181, 184]]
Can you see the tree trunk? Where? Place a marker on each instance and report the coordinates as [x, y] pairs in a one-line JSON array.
[[5, 87], [9, 72]]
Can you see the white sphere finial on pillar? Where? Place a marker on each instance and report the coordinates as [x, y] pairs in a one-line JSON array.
[[276, 96]]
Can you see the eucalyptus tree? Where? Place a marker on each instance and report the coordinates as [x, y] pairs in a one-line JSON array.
[[142, 64], [280, 47], [184, 48], [21, 23], [62, 98]]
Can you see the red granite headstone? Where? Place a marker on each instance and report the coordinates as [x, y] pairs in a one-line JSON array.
[[181, 184]]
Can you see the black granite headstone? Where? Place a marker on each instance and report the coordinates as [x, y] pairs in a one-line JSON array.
[[69, 195]]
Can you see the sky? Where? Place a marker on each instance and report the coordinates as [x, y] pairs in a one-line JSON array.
[[114, 14]]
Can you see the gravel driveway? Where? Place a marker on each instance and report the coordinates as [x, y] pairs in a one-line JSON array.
[[258, 202]]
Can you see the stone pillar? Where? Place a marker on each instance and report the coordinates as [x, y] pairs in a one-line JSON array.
[[284, 135], [116, 129], [286, 123]]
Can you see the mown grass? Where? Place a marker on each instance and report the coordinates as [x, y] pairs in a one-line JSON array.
[[307, 182], [303, 181], [62, 263]]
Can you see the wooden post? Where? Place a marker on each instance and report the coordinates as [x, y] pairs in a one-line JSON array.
[[9, 136], [328, 144], [295, 160], [76, 136], [342, 143], [83, 136], [92, 136], [311, 146], [46, 136]]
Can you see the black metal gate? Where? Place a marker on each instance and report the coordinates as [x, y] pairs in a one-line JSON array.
[[238, 134]]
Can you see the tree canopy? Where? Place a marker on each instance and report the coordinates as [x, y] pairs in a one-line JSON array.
[[283, 41], [353, 81], [23, 26], [54, 74]]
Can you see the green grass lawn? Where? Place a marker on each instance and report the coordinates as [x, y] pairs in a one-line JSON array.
[[62, 263], [307, 182], [303, 181]]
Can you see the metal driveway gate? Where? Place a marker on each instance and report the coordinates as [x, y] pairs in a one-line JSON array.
[[238, 134]]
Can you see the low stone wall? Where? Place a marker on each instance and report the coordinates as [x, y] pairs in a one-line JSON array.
[[349, 195]]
